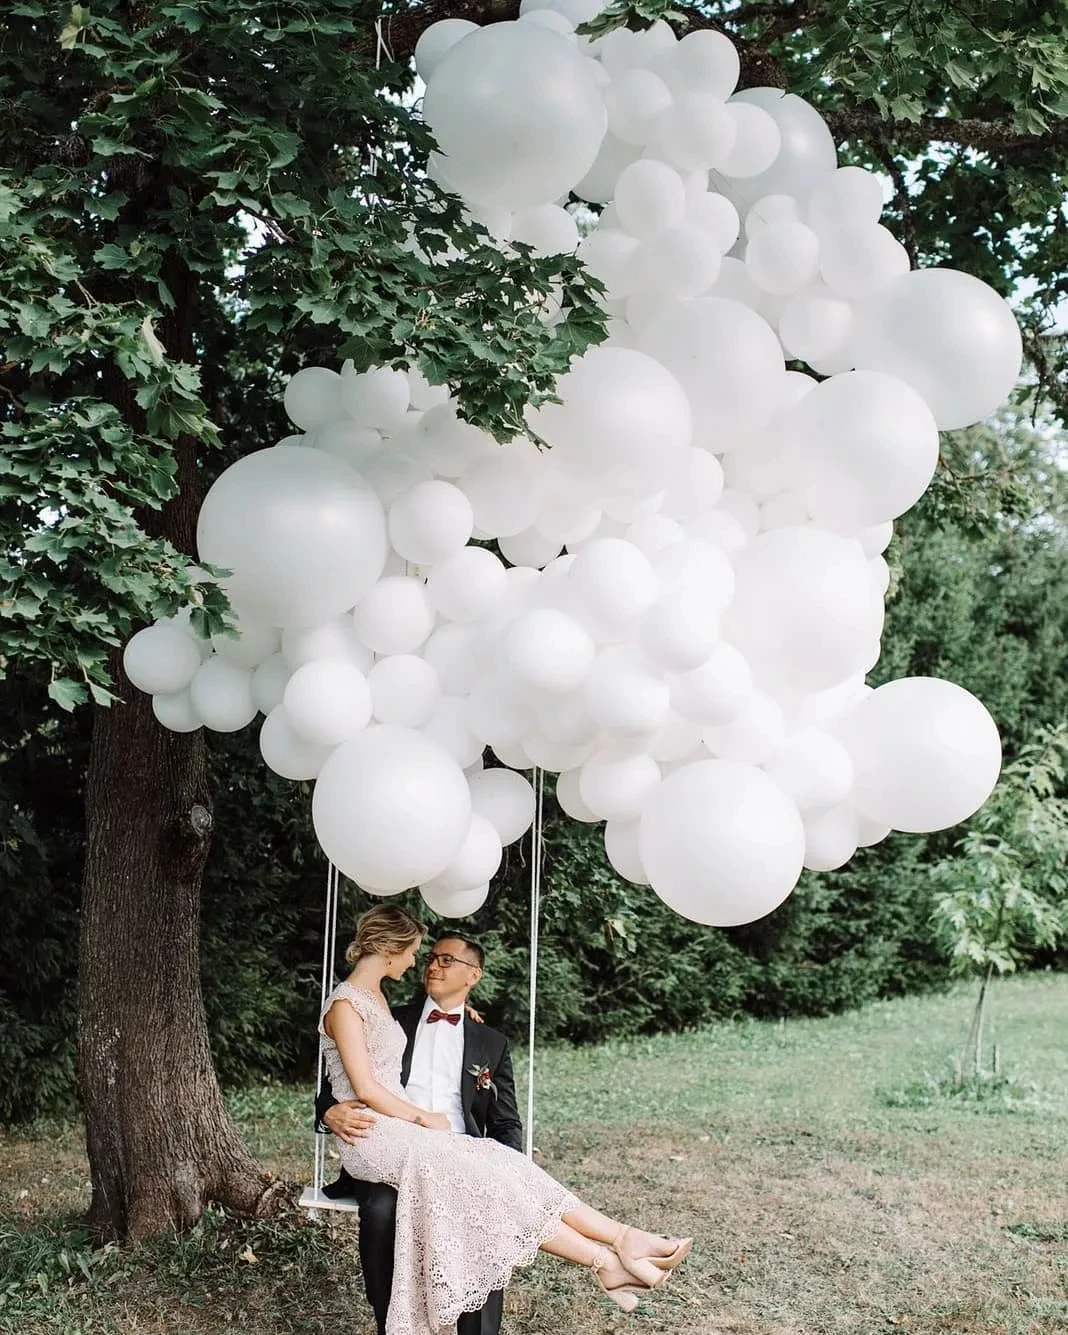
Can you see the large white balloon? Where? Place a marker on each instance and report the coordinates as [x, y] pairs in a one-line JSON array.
[[806, 156], [391, 808], [926, 752], [302, 533], [948, 335], [721, 843], [518, 115]]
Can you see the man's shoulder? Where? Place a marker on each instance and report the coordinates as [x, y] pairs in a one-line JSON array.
[[492, 1036]]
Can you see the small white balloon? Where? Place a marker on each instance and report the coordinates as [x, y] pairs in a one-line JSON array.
[[506, 799], [436, 41], [813, 768], [569, 797], [286, 752], [378, 397], [269, 682], [176, 712], [621, 846], [617, 787], [395, 617], [467, 585], [328, 701], [404, 690], [221, 694], [313, 397], [161, 659], [548, 649]]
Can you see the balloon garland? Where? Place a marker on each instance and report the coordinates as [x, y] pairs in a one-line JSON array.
[[690, 584]]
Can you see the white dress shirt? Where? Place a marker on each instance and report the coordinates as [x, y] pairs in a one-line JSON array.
[[437, 1066]]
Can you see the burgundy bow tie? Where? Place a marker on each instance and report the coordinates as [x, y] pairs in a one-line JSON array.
[[436, 1015]]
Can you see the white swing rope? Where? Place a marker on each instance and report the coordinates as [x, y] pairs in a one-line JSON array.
[[333, 880], [535, 918]]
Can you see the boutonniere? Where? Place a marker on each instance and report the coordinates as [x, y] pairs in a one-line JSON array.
[[483, 1078]]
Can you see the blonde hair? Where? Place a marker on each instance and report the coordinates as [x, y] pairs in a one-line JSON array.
[[384, 930]]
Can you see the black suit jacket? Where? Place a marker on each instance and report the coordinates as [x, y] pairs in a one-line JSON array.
[[486, 1113]]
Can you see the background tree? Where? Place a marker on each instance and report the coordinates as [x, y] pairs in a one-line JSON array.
[[188, 214]]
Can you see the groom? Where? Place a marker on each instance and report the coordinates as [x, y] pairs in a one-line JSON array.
[[451, 1065]]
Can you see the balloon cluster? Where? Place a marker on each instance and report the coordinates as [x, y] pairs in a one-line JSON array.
[[689, 586]]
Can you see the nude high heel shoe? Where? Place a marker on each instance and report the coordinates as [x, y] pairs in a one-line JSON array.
[[621, 1294], [640, 1268], [669, 1262]]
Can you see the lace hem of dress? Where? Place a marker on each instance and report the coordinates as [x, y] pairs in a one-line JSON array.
[[473, 1299]]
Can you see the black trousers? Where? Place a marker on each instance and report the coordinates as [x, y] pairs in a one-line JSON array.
[[378, 1216]]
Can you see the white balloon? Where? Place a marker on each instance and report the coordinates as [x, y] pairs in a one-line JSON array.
[[549, 753], [468, 585], [313, 397], [812, 328], [622, 415], [448, 726], [806, 156], [518, 114], [866, 448], [634, 100], [569, 797], [453, 652], [548, 230], [548, 649], [328, 702], [530, 548], [346, 441], [680, 262], [649, 196], [302, 533], [404, 690], [755, 146], [286, 752], [599, 183], [610, 255], [430, 522], [221, 694], [680, 632], [752, 736], [454, 903], [812, 768], [717, 692], [621, 846], [717, 215], [448, 443], [612, 582], [857, 259], [727, 360], [803, 614], [436, 41], [506, 799], [395, 617], [948, 335], [721, 843], [378, 397], [161, 659], [783, 257], [703, 61], [504, 489], [391, 472], [830, 838], [269, 682], [334, 639], [617, 787], [623, 697], [175, 711], [927, 754], [696, 133], [848, 195], [497, 711], [391, 808]]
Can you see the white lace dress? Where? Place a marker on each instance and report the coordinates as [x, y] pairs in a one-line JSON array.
[[469, 1210]]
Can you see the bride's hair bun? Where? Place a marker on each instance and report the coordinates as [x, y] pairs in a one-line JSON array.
[[384, 930]]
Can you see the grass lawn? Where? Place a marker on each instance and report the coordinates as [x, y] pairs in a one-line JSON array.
[[831, 1181]]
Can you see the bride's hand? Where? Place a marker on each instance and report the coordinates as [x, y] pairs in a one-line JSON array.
[[434, 1121]]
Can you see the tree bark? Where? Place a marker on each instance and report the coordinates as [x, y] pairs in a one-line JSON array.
[[160, 1141]]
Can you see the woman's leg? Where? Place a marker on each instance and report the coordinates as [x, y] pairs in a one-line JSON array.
[[571, 1245], [599, 1227]]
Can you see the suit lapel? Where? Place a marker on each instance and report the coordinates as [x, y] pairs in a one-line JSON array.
[[472, 1057], [408, 1018]]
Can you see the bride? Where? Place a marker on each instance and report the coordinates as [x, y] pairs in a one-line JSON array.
[[468, 1210]]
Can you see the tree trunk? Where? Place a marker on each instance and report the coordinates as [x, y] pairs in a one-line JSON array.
[[160, 1141]]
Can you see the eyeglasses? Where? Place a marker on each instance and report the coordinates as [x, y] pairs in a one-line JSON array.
[[447, 961]]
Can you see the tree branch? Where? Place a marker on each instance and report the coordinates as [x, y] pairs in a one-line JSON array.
[[994, 137]]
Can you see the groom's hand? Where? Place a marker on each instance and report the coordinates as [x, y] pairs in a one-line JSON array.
[[349, 1121]]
